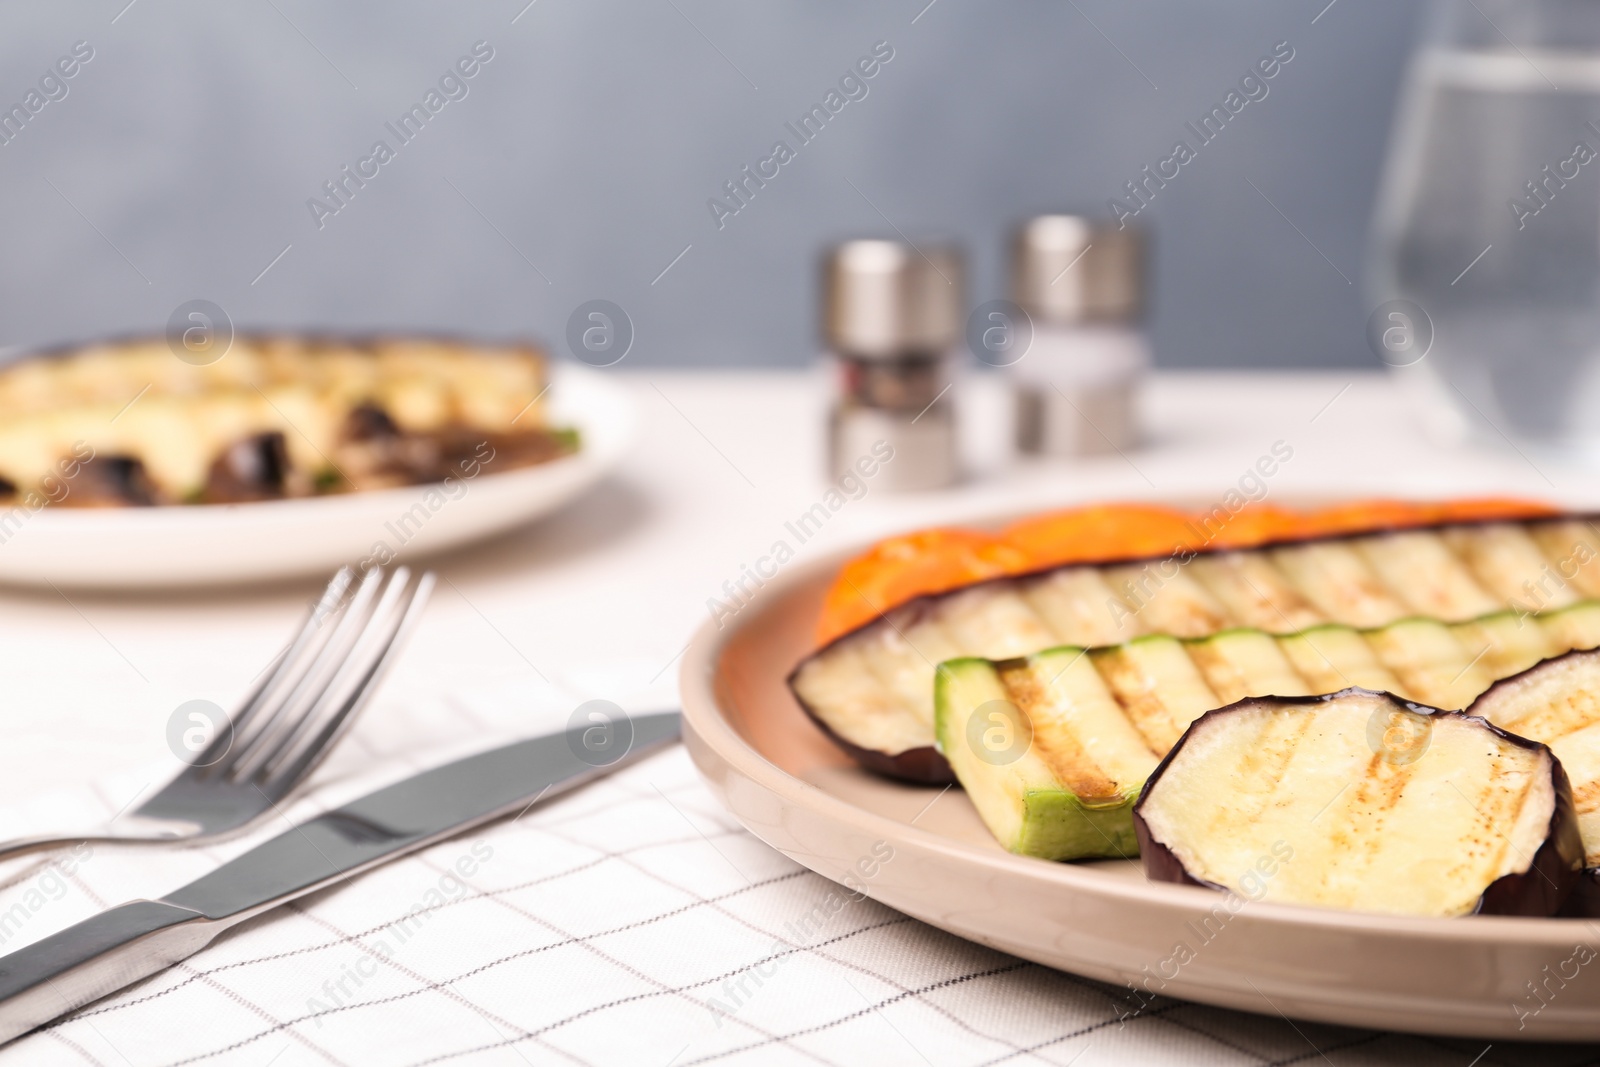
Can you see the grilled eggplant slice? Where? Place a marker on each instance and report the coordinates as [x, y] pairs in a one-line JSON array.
[[873, 694], [1360, 800], [1333, 657], [1557, 703], [1493, 575]]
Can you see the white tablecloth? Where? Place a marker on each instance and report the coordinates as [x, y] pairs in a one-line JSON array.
[[632, 922]]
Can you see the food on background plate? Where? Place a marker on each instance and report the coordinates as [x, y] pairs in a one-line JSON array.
[[126, 423], [1359, 800], [1054, 748], [953, 594]]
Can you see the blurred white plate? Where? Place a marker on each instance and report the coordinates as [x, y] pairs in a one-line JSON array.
[[221, 543]]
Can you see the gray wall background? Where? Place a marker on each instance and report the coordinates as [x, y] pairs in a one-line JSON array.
[[579, 165]]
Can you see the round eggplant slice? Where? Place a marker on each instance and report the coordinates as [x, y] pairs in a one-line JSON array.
[[1557, 703], [1364, 801]]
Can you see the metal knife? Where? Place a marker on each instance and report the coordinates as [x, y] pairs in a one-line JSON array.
[[118, 947]]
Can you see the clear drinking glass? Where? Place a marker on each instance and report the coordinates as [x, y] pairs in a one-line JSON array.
[[1485, 265]]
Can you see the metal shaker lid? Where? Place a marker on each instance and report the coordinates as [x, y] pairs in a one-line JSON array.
[[1068, 269], [883, 299]]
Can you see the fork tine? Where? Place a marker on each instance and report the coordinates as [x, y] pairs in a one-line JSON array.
[[320, 661], [269, 680], [331, 682], [292, 764]]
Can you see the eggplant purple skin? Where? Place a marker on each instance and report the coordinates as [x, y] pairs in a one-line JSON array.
[[1584, 903], [1520, 675], [1550, 886], [924, 767]]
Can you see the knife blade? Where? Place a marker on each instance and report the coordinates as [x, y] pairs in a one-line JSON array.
[[116, 948]]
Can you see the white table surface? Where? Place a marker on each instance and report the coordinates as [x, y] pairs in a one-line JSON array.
[[598, 601]]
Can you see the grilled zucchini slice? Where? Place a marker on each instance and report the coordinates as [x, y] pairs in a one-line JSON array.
[[1010, 767], [1432, 664], [1332, 657]]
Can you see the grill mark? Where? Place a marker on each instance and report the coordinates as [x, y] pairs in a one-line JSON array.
[[1568, 713], [1239, 684], [1498, 554], [1280, 608], [1491, 828], [1360, 833], [1265, 760], [1224, 677], [1354, 593], [1559, 542], [1587, 798], [1057, 742], [1134, 690], [1184, 612], [1441, 599]]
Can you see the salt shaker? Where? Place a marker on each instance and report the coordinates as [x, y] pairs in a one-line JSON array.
[[1081, 281], [891, 316]]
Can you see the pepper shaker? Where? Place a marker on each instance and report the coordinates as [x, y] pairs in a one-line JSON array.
[[891, 316], [1081, 281]]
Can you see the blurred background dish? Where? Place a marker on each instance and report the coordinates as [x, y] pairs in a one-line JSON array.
[[266, 417], [134, 547]]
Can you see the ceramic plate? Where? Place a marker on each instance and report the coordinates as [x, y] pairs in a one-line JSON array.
[[217, 543], [1469, 977]]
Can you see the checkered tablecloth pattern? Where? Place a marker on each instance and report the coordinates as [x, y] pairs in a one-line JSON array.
[[632, 922]]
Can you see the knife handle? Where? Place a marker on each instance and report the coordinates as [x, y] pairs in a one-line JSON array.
[[84, 962]]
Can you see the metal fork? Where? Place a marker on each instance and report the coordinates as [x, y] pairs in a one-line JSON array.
[[305, 700]]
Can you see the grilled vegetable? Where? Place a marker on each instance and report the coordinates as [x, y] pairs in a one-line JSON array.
[[1557, 703], [1057, 781], [1518, 585], [1360, 800], [1333, 657], [1148, 691]]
